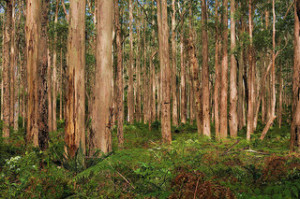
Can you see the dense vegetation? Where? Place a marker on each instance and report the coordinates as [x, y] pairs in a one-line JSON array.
[[146, 168]]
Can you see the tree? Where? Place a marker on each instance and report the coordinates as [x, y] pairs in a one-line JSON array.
[[102, 112], [163, 30], [217, 73], [130, 67], [75, 104], [233, 120], [183, 102], [224, 75], [205, 73], [250, 117], [120, 109], [6, 68], [33, 31], [42, 79], [13, 56], [295, 128], [54, 69], [174, 67]]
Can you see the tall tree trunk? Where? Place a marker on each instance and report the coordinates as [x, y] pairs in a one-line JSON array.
[[264, 105], [280, 79], [102, 112], [61, 87], [50, 108], [33, 30], [12, 66], [241, 99], [205, 73], [42, 79], [75, 104], [153, 94], [174, 68], [262, 93], [130, 68], [233, 119], [145, 77], [224, 75], [250, 117], [217, 74], [2, 66], [120, 109], [183, 103], [6, 68], [54, 73], [138, 74], [273, 80], [195, 83], [295, 128], [165, 67]]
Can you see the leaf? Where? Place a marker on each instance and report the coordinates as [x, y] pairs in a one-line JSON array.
[[256, 191], [295, 191]]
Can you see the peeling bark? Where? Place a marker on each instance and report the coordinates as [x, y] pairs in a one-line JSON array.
[[75, 104]]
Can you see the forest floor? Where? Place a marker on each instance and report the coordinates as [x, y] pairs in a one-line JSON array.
[[191, 167]]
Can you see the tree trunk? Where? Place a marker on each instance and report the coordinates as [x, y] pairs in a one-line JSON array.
[[165, 67], [130, 72], [120, 109], [250, 117], [33, 30], [224, 76], [196, 84], [183, 103], [145, 77], [2, 66], [217, 75], [50, 108], [174, 68], [138, 75], [6, 68], [61, 87], [241, 98], [102, 113], [205, 73], [191, 92], [280, 97], [295, 128], [42, 79], [12, 66], [75, 104], [233, 119], [54, 73]]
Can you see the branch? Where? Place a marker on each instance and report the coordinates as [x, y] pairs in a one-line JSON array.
[[65, 10], [145, 12], [288, 10], [225, 152]]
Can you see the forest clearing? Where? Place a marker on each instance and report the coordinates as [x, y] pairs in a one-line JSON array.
[[150, 99]]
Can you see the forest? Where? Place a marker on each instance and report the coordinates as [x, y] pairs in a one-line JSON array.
[[150, 99]]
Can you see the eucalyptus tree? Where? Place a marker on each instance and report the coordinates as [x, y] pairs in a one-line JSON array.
[[102, 106], [33, 31], [75, 103], [6, 67]]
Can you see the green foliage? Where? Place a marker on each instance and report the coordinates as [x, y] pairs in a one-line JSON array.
[[146, 168]]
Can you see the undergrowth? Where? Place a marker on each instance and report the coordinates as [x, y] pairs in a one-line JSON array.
[[191, 167]]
